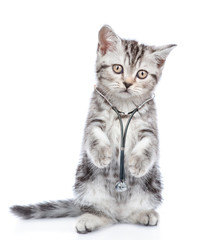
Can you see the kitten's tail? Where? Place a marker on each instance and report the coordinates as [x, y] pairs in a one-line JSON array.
[[64, 208]]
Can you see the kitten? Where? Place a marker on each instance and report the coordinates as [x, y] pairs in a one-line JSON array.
[[127, 73]]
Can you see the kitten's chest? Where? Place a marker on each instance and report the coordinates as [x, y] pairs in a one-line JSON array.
[[114, 133]]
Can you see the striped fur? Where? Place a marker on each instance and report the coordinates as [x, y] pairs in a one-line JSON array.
[[50, 209], [98, 171]]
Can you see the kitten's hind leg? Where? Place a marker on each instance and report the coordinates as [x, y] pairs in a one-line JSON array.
[[89, 222], [147, 218]]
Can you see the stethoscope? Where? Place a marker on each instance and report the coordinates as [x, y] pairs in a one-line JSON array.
[[121, 186]]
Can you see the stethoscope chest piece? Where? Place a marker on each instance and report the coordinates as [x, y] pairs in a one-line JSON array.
[[121, 186]]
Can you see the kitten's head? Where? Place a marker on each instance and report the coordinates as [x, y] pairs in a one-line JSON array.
[[126, 68]]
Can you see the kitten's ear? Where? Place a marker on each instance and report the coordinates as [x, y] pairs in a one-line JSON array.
[[108, 40], [160, 53]]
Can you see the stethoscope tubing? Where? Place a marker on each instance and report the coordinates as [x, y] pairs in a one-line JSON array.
[[121, 185]]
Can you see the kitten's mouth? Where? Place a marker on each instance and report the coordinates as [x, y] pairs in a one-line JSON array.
[[126, 91], [125, 94]]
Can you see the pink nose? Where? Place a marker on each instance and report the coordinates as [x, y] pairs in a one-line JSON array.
[[127, 85]]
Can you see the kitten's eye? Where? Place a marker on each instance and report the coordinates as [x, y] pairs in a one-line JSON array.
[[117, 68], [142, 74]]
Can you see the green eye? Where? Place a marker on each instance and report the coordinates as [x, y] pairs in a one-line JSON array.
[[142, 74], [117, 68]]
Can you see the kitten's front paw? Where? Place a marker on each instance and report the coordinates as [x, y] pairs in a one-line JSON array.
[[137, 166], [102, 156]]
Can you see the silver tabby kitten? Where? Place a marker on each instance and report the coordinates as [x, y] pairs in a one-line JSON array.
[[127, 73]]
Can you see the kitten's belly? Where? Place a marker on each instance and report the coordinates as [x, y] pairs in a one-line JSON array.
[[116, 205]]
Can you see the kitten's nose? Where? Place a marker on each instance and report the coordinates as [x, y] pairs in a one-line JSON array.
[[127, 85]]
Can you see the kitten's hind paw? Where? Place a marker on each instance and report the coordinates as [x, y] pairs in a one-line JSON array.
[[89, 222], [149, 218]]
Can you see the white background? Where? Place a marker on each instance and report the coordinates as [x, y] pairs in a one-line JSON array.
[[47, 73]]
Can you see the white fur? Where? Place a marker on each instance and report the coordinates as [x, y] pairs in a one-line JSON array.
[[98, 196]]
